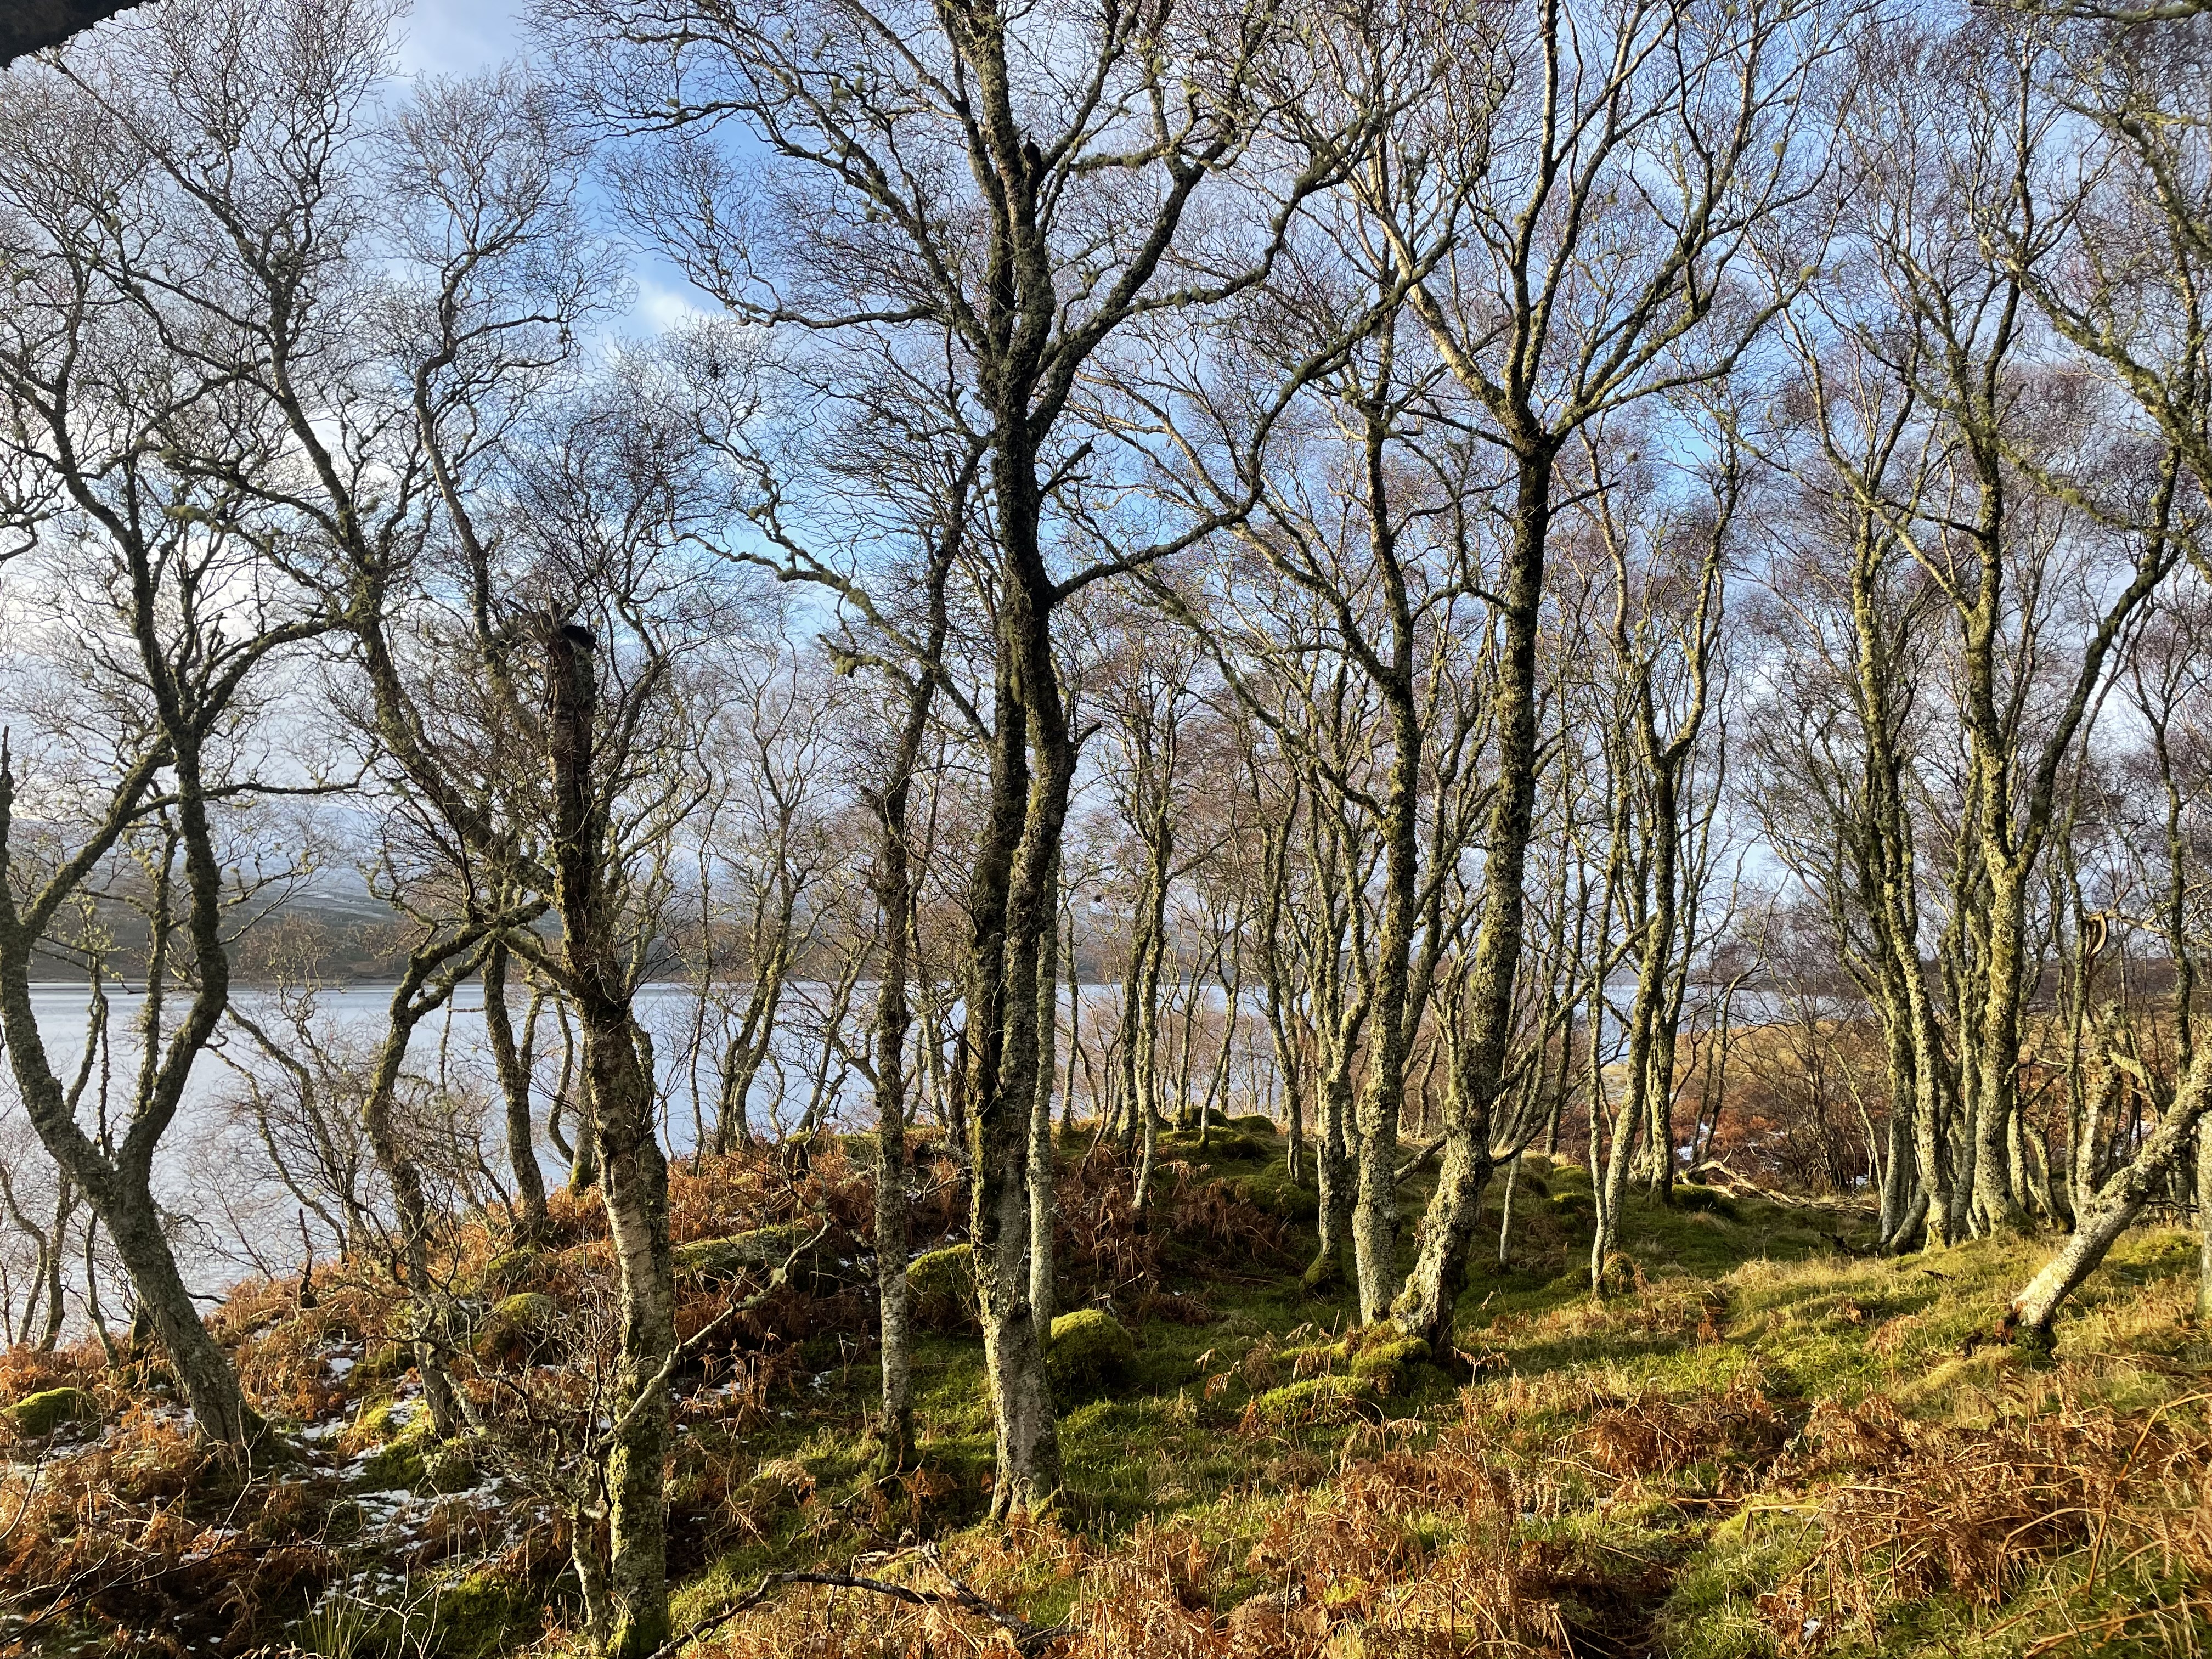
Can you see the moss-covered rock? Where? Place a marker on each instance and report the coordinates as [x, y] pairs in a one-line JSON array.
[[1090, 1353], [401, 1440], [942, 1286], [1257, 1123], [511, 1270], [1574, 1208], [446, 1470], [41, 1413], [1393, 1363], [761, 1252], [1220, 1145], [517, 1326], [1531, 1180], [397, 1467]]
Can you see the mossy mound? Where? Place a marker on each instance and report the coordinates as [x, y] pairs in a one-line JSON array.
[[761, 1252], [40, 1414], [517, 1327], [1574, 1208], [1271, 1191], [1090, 1354], [484, 1615], [1257, 1123], [383, 1362], [1312, 1402], [446, 1471], [1531, 1182], [1706, 1200], [942, 1287], [1219, 1145]]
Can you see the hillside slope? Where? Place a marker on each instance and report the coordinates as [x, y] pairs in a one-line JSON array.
[[1761, 1443]]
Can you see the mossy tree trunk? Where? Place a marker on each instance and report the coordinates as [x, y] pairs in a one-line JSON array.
[[2115, 1206], [633, 1173], [892, 878]]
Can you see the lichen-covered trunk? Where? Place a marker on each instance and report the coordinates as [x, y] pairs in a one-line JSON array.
[[1332, 1108], [1144, 1062], [1440, 1265], [397, 1159], [119, 1188], [634, 1187], [515, 1091], [1422, 1309], [2115, 1206], [2203, 1226], [633, 1172], [1009, 903], [892, 1019], [1382, 1101], [1997, 1200]]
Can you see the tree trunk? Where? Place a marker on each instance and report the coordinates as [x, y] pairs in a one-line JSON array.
[[1421, 1310], [1010, 900], [2114, 1208], [514, 1089], [1042, 1297], [633, 1174]]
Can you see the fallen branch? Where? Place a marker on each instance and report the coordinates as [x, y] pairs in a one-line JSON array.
[[1028, 1640], [1406, 1169]]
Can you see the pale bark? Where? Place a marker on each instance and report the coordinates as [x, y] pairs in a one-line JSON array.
[[2114, 1208], [1042, 1294]]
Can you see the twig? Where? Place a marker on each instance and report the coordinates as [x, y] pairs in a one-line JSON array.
[[1028, 1640]]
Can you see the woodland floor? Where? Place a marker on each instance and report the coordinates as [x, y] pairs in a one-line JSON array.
[[1763, 1444]]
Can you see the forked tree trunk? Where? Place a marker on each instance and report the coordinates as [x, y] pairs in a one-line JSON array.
[[514, 1089]]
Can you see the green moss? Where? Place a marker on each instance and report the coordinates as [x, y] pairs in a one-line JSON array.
[[942, 1285], [397, 1467], [515, 1328], [381, 1362], [41, 1413], [482, 1616], [410, 1442], [1312, 1402], [1090, 1354], [512, 1269], [1392, 1364], [761, 1251], [1221, 1145], [446, 1470], [1271, 1190], [1696, 1200]]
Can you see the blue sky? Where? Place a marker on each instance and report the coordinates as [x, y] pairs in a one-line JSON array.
[[461, 37], [453, 37]]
